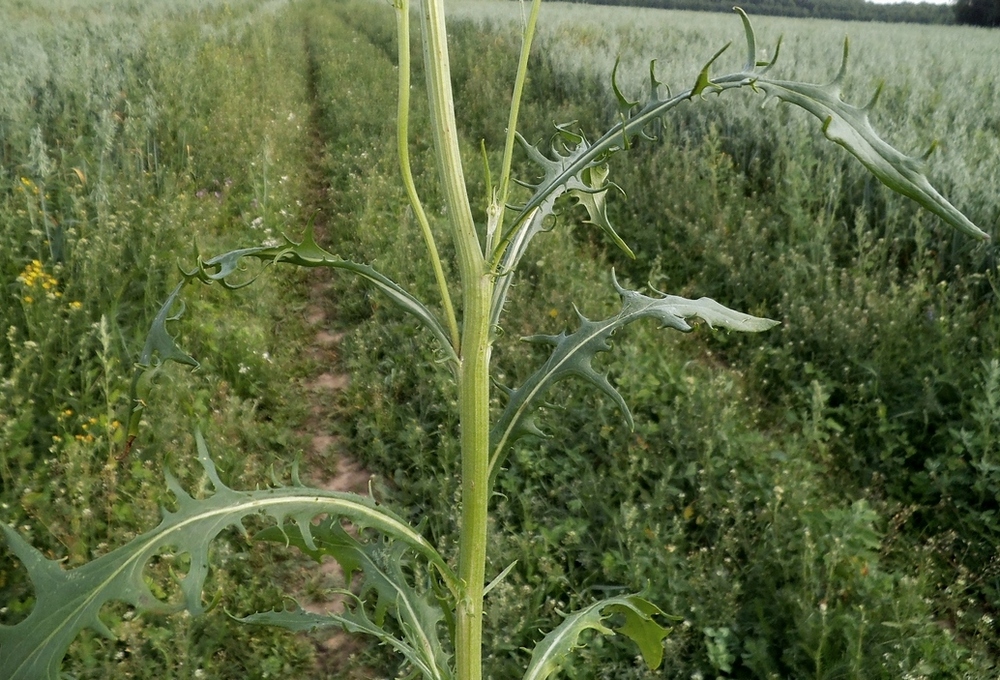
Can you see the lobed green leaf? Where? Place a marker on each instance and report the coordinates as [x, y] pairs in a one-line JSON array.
[[552, 653], [573, 353], [851, 128], [843, 124], [381, 564], [68, 601], [308, 253]]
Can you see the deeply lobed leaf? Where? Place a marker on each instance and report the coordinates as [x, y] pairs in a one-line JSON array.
[[381, 565], [68, 601], [552, 653], [573, 353], [850, 127]]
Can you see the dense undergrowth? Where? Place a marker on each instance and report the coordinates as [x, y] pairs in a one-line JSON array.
[[127, 140], [819, 501]]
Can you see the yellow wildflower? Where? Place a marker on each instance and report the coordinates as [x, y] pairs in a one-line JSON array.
[[34, 275]]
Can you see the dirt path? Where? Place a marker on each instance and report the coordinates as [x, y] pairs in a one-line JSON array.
[[327, 465]]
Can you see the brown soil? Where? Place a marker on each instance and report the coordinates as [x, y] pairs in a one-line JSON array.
[[328, 467]]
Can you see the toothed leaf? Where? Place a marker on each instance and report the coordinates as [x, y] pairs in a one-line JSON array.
[[573, 353], [68, 601], [850, 127], [381, 565], [353, 621], [595, 199], [553, 652], [308, 253], [160, 345], [704, 81]]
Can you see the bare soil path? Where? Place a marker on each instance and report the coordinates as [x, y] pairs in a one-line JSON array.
[[327, 465]]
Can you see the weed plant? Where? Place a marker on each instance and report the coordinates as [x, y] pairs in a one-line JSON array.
[[792, 431], [720, 510], [889, 322]]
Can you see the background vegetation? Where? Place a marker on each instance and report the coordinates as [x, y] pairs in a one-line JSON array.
[[966, 12], [819, 501]]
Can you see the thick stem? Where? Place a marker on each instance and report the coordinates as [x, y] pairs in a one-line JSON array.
[[474, 382], [475, 439], [442, 110]]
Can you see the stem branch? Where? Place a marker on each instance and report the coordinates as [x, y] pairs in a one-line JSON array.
[[402, 136]]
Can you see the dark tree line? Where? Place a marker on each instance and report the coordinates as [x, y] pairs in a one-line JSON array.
[[978, 12]]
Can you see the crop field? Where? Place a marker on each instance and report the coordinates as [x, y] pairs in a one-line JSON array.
[[820, 500]]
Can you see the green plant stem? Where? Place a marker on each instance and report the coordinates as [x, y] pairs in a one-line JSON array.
[[442, 110], [473, 383], [402, 133], [515, 109], [475, 427]]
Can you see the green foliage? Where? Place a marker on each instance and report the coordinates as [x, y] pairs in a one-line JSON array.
[[69, 601], [382, 565], [707, 508], [121, 185], [548, 655], [574, 353]]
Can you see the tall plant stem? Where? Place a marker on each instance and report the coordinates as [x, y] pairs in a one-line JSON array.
[[474, 385], [515, 109], [402, 136]]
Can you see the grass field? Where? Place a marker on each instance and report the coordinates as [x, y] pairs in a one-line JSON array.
[[819, 501]]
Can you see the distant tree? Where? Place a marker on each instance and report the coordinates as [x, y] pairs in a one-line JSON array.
[[978, 12]]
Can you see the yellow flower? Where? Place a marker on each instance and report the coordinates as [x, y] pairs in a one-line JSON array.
[[33, 274], [75, 305], [28, 299]]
